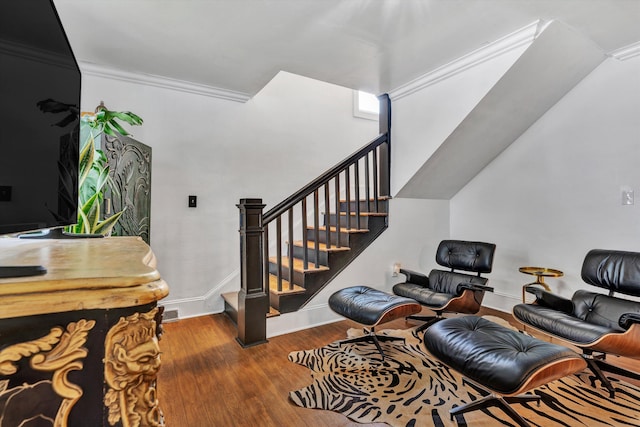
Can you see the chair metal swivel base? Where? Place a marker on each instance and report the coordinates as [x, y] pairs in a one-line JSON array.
[[429, 320], [502, 402], [371, 336], [597, 365]]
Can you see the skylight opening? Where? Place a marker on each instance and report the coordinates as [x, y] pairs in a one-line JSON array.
[[365, 105]]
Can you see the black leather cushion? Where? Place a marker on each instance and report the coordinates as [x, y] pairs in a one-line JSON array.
[[365, 305], [468, 256], [449, 282], [425, 296], [561, 324], [443, 285], [551, 300], [618, 271], [499, 358]]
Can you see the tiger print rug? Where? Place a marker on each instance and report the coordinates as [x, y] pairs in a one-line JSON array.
[[412, 389]]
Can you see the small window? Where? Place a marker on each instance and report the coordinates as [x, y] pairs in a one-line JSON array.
[[365, 105]]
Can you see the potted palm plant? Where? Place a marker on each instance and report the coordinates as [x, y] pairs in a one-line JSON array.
[[94, 176]]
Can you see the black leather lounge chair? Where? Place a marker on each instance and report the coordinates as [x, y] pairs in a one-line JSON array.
[[596, 323], [450, 291]]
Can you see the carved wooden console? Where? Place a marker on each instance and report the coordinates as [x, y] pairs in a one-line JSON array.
[[79, 345]]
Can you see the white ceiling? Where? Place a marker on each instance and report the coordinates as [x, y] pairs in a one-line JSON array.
[[373, 45]]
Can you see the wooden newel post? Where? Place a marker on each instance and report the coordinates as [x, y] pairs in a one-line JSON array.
[[253, 300], [384, 123]]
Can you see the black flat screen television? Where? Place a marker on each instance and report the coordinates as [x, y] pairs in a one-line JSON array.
[[40, 85]]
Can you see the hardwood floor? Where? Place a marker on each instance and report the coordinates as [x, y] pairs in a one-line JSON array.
[[207, 379]]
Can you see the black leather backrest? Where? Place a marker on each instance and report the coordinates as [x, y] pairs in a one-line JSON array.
[[618, 271], [468, 256], [602, 309]]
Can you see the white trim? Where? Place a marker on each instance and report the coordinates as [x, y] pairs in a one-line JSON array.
[[162, 82], [626, 52], [307, 317], [202, 305], [521, 37]]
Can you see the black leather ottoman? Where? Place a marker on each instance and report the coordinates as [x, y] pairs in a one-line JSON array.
[[505, 362], [371, 307]]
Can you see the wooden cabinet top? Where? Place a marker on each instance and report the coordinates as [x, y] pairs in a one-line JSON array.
[[81, 274]]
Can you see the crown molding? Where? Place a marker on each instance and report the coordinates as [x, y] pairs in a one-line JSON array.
[[523, 36], [91, 69], [626, 52]]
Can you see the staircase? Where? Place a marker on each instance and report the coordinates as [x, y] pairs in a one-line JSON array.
[[291, 252], [346, 242]]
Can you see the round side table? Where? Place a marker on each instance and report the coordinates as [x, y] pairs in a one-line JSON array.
[[540, 273]]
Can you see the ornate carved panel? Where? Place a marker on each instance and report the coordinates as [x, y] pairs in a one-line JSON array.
[[49, 397], [130, 168], [132, 361]]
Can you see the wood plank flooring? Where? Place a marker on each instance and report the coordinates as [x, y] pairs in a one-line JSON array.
[[207, 379]]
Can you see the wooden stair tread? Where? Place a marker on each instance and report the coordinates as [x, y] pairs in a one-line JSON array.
[[352, 213], [273, 287], [322, 246], [371, 199], [298, 265], [342, 230], [231, 298], [272, 312]]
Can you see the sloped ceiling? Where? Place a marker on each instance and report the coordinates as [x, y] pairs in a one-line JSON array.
[[373, 45], [557, 60]]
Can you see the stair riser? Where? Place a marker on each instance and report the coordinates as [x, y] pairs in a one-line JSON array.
[[364, 206], [298, 252], [364, 221], [298, 276], [344, 237], [231, 312]]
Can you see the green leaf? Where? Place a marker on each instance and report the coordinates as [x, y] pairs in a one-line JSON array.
[[86, 160], [103, 178], [83, 223], [118, 128], [126, 116], [105, 227]]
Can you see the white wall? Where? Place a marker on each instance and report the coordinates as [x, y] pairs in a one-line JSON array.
[[555, 193], [222, 151], [424, 119]]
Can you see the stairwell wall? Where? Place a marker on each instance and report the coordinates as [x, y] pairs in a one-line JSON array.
[[556, 192], [221, 151]]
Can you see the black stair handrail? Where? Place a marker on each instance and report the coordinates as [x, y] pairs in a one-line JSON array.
[[323, 179]]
